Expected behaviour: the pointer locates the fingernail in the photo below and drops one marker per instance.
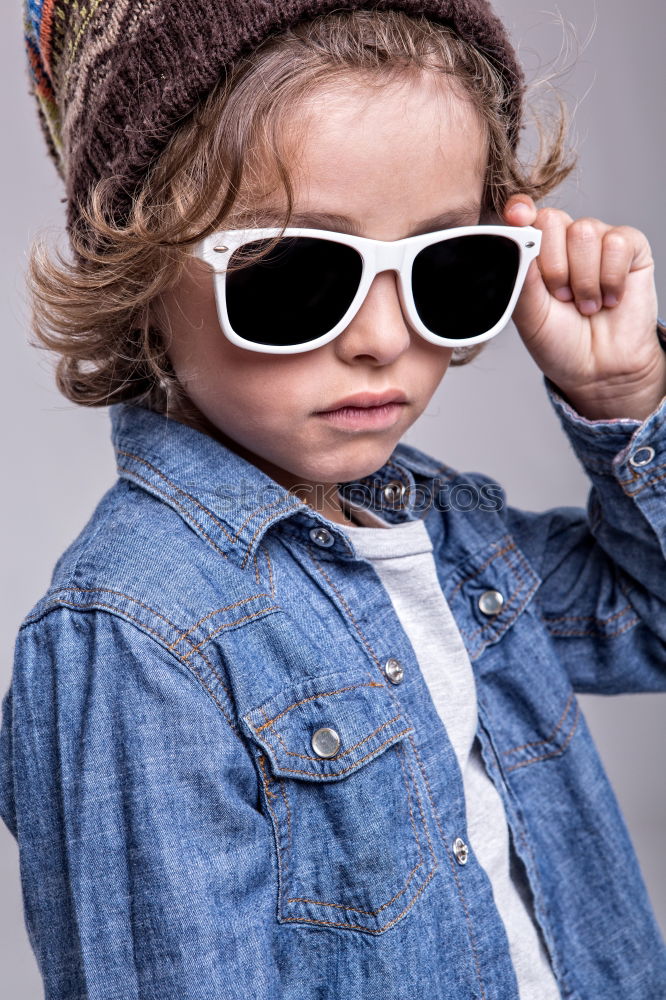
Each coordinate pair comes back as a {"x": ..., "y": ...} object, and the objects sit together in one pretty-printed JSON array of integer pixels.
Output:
[
  {"x": 564, "y": 294},
  {"x": 611, "y": 300},
  {"x": 588, "y": 306}
]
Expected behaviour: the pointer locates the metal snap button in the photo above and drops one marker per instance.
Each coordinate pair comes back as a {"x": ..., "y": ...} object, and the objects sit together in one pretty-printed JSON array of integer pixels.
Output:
[
  {"x": 491, "y": 602},
  {"x": 322, "y": 536},
  {"x": 393, "y": 670},
  {"x": 642, "y": 456},
  {"x": 461, "y": 851},
  {"x": 325, "y": 742},
  {"x": 393, "y": 491}
]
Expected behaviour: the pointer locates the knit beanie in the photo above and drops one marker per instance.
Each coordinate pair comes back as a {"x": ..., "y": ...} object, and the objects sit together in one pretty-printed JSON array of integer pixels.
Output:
[{"x": 114, "y": 78}]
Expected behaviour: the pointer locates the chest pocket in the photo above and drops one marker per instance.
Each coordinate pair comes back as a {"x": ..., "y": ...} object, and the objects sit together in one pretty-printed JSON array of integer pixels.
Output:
[
  {"x": 353, "y": 843},
  {"x": 523, "y": 689}
]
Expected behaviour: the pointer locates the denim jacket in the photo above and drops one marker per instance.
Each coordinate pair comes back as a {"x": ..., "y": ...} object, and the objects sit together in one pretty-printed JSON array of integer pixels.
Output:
[{"x": 184, "y": 830}]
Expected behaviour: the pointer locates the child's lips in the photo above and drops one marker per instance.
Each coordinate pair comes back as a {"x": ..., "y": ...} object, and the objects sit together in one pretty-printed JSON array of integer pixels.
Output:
[
  {"x": 367, "y": 417},
  {"x": 364, "y": 400}
]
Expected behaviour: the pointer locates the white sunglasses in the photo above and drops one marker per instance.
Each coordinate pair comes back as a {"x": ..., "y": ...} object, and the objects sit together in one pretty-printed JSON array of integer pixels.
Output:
[{"x": 456, "y": 286}]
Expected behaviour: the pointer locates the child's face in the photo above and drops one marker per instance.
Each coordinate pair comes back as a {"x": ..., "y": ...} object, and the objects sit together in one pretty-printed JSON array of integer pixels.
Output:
[{"x": 392, "y": 160}]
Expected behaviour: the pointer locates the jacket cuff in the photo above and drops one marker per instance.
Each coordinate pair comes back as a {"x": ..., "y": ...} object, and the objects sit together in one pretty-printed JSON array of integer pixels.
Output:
[{"x": 631, "y": 451}]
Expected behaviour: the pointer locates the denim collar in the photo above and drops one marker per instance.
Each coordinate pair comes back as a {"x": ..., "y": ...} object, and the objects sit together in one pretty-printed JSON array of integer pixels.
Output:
[{"x": 231, "y": 503}]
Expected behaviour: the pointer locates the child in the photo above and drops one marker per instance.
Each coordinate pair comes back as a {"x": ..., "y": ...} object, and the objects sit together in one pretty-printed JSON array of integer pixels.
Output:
[{"x": 297, "y": 716}]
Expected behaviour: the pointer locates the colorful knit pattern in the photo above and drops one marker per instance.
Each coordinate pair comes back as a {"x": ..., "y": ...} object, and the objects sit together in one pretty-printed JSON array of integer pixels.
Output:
[
  {"x": 113, "y": 78},
  {"x": 39, "y": 39}
]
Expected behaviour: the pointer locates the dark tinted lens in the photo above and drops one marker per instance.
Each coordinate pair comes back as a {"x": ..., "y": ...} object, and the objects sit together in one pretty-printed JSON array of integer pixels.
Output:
[
  {"x": 296, "y": 293},
  {"x": 463, "y": 286}
]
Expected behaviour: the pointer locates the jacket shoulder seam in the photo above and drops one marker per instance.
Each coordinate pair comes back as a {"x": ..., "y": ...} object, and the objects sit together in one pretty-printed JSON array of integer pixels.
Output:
[{"x": 151, "y": 633}]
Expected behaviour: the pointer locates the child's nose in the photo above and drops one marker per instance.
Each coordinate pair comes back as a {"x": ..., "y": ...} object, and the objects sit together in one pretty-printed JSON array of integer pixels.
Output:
[{"x": 379, "y": 330}]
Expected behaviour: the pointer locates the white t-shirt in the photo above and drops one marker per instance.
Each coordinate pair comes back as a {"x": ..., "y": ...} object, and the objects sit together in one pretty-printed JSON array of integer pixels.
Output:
[{"x": 402, "y": 557}]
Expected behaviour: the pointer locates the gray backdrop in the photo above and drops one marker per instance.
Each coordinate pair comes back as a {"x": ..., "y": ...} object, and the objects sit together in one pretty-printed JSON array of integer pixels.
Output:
[{"x": 58, "y": 457}]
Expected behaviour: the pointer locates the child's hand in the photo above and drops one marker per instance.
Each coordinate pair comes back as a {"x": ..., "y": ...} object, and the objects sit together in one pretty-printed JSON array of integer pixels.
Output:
[{"x": 605, "y": 356}]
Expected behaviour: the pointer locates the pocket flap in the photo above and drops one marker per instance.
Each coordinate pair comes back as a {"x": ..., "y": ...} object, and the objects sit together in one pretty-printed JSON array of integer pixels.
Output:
[{"x": 361, "y": 712}]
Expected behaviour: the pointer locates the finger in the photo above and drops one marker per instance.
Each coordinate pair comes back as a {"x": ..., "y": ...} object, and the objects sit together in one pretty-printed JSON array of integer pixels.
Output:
[
  {"x": 617, "y": 255},
  {"x": 520, "y": 210},
  {"x": 584, "y": 240},
  {"x": 553, "y": 257}
]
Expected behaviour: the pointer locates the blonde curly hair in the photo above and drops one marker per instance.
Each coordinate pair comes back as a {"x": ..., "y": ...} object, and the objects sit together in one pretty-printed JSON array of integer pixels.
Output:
[{"x": 95, "y": 307}]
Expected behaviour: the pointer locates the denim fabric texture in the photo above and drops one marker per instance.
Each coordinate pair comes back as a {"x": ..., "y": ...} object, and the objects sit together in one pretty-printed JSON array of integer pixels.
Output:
[{"x": 180, "y": 835}]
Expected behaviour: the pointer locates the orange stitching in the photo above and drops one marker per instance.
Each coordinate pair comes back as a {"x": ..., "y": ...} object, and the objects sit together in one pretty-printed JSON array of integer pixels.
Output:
[
  {"x": 275, "y": 821},
  {"x": 636, "y": 476},
  {"x": 186, "y": 513},
  {"x": 476, "y": 572},
  {"x": 452, "y": 865},
  {"x": 285, "y": 799},
  {"x": 549, "y": 739},
  {"x": 648, "y": 482},
  {"x": 394, "y": 465},
  {"x": 304, "y": 756},
  {"x": 297, "y": 899},
  {"x": 491, "y": 626},
  {"x": 401, "y": 754},
  {"x": 257, "y": 571},
  {"x": 353, "y": 620},
  {"x": 553, "y": 753},
  {"x": 373, "y": 913},
  {"x": 506, "y": 622},
  {"x": 112, "y": 607},
  {"x": 299, "y": 503},
  {"x": 572, "y": 633},
  {"x": 375, "y": 659},
  {"x": 283, "y": 793},
  {"x": 119, "y": 593},
  {"x": 625, "y": 587},
  {"x": 423, "y": 816},
  {"x": 182, "y": 635},
  {"x": 331, "y": 774},
  {"x": 424, "y": 822},
  {"x": 509, "y": 621},
  {"x": 280, "y": 785},
  {"x": 359, "y": 927},
  {"x": 271, "y": 582},
  {"x": 322, "y": 694},
  {"x": 192, "y": 520},
  {"x": 516, "y": 569},
  {"x": 368, "y": 647},
  {"x": 591, "y": 618},
  {"x": 269, "y": 794},
  {"x": 356, "y": 909},
  {"x": 494, "y": 632},
  {"x": 267, "y": 506},
  {"x": 217, "y": 611},
  {"x": 247, "y": 618},
  {"x": 178, "y": 489}
]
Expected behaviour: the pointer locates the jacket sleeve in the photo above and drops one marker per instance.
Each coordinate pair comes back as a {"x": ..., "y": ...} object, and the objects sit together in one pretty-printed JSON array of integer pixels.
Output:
[
  {"x": 603, "y": 595},
  {"x": 145, "y": 861}
]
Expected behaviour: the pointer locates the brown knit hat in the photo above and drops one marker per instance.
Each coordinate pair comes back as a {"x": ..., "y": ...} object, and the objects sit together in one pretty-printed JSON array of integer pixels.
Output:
[{"x": 114, "y": 79}]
